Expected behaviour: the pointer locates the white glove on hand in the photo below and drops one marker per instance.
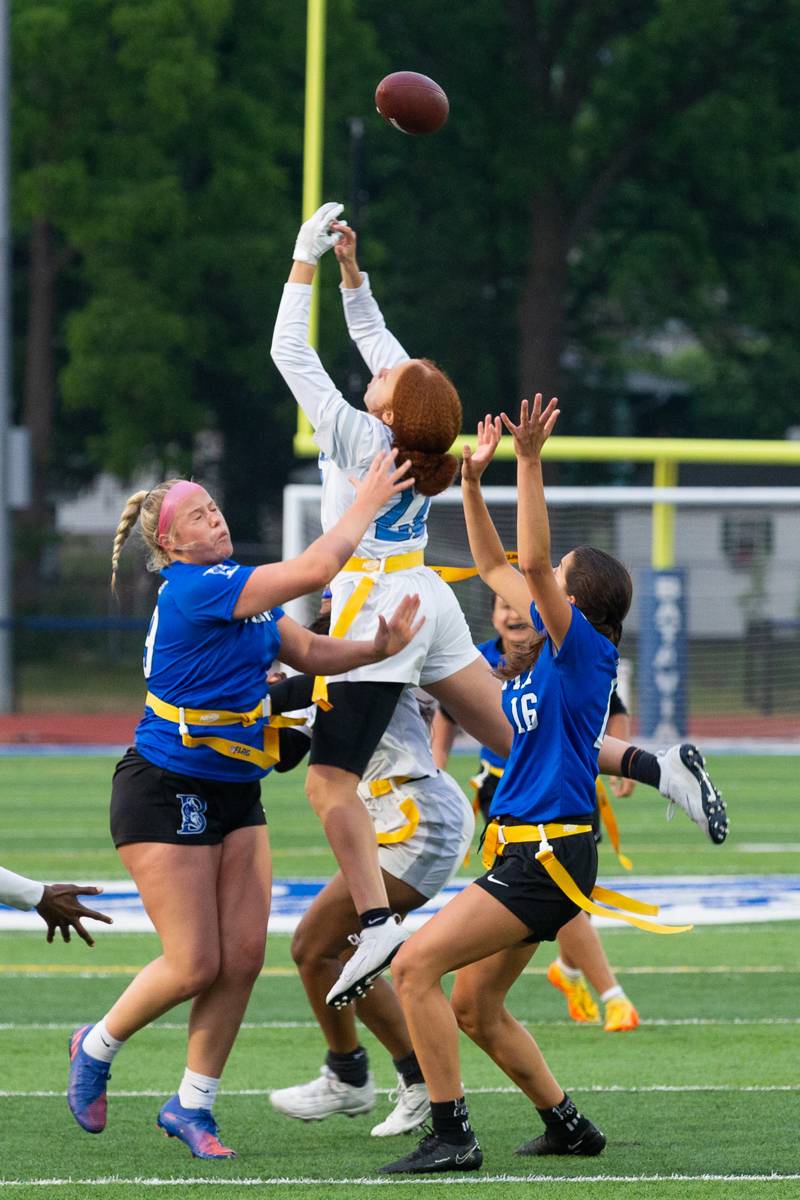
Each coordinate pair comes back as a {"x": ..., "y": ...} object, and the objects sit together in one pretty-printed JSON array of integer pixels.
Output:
[{"x": 315, "y": 236}]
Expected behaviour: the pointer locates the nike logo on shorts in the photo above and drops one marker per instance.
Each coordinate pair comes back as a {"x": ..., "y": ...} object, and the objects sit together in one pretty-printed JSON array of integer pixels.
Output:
[{"x": 491, "y": 879}]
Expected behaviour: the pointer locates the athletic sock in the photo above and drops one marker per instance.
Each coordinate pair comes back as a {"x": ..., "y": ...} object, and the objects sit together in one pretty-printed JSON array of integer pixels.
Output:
[
  {"x": 99, "y": 1043},
  {"x": 450, "y": 1119},
  {"x": 374, "y": 916},
  {"x": 612, "y": 994},
  {"x": 409, "y": 1068},
  {"x": 563, "y": 1119},
  {"x": 573, "y": 973},
  {"x": 349, "y": 1068},
  {"x": 640, "y": 765},
  {"x": 197, "y": 1091}
]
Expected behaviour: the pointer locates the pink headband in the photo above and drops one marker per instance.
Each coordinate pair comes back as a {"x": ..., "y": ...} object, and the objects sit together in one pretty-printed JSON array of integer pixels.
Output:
[{"x": 179, "y": 491}]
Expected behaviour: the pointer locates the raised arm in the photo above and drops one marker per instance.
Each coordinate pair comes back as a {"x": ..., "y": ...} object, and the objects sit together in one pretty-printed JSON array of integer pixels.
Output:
[
  {"x": 533, "y": 528},
  {"x": 484, "y": 543},
  {"x": 365, "y": 324},
  {"x": 277, "y": 583}
]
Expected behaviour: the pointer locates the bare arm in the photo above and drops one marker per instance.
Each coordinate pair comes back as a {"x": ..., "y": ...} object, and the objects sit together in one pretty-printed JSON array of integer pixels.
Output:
[
  {"x": 533, "y": 527},
  {"x": 619, "y": 727},
  {"x": 276, "y": 583},
  {"x": 316, "y": 654},
  {"x": 443, "y": 734},
  {"x": 484, "y": 543}
]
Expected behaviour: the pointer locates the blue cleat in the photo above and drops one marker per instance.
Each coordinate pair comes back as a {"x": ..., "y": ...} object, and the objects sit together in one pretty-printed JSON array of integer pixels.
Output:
[
  {"x": 195, "y": 1126},
  {"x": 86, "y": 1089}
]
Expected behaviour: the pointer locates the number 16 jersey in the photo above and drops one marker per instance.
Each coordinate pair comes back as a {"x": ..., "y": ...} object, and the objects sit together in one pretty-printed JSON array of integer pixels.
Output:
[{"x": 558, "y": 711}]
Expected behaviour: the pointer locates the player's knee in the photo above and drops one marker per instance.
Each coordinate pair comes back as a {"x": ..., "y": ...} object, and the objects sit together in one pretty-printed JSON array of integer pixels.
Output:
[
  {"x": 467, "y": 1013},
  {"x": 243, "y": 967},
  {"x": 410, "y": 974},
  {"x": 199, "y": 972}
]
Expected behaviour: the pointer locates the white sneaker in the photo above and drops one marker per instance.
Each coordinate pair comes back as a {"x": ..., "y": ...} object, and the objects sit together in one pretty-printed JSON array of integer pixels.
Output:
[
  {"x": 413, "y": 1107},
  {"x": 323, "y": 1097},
  {"x": 375, "y": 949},
  {"x": 685, "y": 781}
]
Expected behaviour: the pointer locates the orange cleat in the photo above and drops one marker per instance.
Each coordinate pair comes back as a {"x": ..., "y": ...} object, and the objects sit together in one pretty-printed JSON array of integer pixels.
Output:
[{"x": 580, "y": 1005}]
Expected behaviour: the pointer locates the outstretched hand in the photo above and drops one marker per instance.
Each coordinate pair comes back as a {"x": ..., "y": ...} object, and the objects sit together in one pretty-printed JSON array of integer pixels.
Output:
[
  {"x": 61, "y": 909},
  {"x": 317, "y": 234},
  {"x": 535, "y": 426},
  {"x": 383, "y": 480},
  {"x": 394, "y": 635},
  {"x": 345, "y": 247},
  {"x": 475, "y": 463}
]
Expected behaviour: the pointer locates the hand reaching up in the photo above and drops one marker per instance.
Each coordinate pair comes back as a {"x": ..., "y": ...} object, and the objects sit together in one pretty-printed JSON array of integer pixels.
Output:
[
  {"x": 535, "y": 426},
  {"x": 475, "y": 463}
]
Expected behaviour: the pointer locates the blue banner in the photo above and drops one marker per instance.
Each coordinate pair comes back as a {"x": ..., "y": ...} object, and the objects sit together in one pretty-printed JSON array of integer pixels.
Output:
[{"x": 662, "y": 660}]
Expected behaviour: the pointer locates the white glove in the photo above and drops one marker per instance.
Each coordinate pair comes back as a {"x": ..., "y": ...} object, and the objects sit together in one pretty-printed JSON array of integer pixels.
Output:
[{"x": 315, "y": 236}]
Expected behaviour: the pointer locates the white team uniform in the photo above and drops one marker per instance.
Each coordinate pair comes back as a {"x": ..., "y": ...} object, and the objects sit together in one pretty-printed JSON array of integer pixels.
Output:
[
  {"x": 430, "y": 857},
  {"x": 349, "y": 440}
]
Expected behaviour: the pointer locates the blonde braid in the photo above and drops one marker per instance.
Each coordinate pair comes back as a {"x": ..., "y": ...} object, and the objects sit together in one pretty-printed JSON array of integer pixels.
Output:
[{"x": 145, "y": 507}]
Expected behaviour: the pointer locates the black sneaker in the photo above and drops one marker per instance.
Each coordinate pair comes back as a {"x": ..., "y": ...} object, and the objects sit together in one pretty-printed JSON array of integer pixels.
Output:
[
  {"x": 433, "y": 1154},
  {"x": 589, "y": 1141}
]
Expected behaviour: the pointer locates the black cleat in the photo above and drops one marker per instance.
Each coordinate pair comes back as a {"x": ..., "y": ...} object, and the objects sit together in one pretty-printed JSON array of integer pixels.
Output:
[
  {"x": 434, "y": 1155},
  {"x": 589, "y": 1141}
]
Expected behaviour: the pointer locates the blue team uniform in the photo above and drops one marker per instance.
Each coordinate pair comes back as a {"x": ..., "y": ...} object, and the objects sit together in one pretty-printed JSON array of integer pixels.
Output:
[
  {"x": 198, "y": 656},
  {"x": 558, "y": 712}
]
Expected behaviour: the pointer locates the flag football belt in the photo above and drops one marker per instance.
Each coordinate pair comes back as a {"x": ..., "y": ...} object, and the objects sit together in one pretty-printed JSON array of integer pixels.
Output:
[
  {"x": 384, "y": 787},
  {"x": 264, "y": 758},
  {"x": 369, "y": 568},
  {"x": 498, "y": 836},
  {"x": 477, "y": 782},
  {"x": 609, "y": 819}
]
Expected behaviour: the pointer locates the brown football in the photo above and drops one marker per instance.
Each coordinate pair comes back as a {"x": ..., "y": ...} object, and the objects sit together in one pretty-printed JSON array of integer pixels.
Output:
[{"x": 411, "y": 102}]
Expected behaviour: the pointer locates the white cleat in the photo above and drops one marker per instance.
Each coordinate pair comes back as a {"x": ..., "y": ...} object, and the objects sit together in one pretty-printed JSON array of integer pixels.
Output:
[
  {"x": 375, "y": 949},
  {"x": 685, "y": 781},
  {"x": 412, "y": 1109},
  {"x": 323, "y": 1097}
]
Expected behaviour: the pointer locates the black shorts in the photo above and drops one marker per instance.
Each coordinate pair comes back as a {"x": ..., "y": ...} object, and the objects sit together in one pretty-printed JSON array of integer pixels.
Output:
[
  {"x": 151, "y": 804},
  {"x": 520, "y": 883},
  {"x": 346, "y": 736}
]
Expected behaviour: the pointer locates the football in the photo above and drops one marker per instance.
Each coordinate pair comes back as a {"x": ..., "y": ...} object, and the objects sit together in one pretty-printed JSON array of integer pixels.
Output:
[{"x": 411, "y": 102}]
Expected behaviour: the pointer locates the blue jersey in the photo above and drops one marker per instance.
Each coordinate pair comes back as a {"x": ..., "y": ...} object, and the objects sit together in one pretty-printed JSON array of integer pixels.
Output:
[
  {"x": 197, "y": 656},
  {"x": 558, "y": 711},
  {"x": 493, "y": 653}
]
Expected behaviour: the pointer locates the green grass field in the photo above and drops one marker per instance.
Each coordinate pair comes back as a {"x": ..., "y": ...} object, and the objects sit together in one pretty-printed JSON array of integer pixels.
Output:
[{"x": 708, "y": 1086}]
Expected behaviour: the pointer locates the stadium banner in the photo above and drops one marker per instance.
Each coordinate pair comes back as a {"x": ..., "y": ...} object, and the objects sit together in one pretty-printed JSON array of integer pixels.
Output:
[{"x": 662, "y": 666}]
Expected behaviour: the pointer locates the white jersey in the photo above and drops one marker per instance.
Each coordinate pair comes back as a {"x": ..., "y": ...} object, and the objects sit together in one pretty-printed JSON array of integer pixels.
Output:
[{"x": 348, "y": 438}]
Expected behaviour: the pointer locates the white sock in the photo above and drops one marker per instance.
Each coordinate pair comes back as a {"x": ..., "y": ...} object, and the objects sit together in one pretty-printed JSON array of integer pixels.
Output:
[
  {"x": 100, "y": 1044},
  {"x": 612, "y": 994},
  {"x": 573, "y": 973},
  {"x": 197, "y": 1091}
]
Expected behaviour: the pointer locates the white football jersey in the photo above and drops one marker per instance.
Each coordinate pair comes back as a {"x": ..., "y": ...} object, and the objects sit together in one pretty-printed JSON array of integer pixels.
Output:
[{"x": 348, "y": 438}]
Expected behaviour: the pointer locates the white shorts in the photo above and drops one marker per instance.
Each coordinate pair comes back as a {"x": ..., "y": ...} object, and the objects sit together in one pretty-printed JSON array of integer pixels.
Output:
[
  {"x": 444, "y": 644},
  {"x": 428, "y": 859}
]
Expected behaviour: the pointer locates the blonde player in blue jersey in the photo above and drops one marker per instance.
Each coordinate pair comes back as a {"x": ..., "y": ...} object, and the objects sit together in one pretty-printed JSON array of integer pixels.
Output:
[
  {"x": 186, "y": 814},
  {"x": 412, "y": 405},
  {"x": 556, "y": 696}
]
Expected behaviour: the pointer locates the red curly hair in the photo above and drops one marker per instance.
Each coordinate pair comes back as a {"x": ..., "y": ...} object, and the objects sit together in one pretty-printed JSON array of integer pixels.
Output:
[{"x": 426, "y": 421}]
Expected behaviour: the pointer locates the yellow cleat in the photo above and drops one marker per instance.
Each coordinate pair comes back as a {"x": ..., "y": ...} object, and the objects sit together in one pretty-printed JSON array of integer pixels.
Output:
[
  {"x": 580, "y": 1005},
  {"x": 620, "y": 1015}
]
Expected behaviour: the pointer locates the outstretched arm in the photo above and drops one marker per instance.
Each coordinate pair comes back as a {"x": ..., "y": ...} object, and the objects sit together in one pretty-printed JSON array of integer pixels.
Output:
[
  {"x": 484, "y": 542},
  {"x": 365, "y": 324},
  {"x": 533, "y": 528}
]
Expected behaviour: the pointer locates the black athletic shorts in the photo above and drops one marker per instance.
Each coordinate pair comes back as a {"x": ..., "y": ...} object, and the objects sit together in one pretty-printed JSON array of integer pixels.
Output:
[
  {"x": 151, "y": 804},
  {"x": 520, "y": 883},
  {"x": 346, "y": 736}
]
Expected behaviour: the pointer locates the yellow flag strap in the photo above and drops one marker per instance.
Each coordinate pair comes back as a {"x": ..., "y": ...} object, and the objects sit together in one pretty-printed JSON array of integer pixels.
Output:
[
  {"x": 456, "y": 574},
  {"x": 497, "y": 836},
  {"x": 411, "y": 813},
  {"x": 264, "y": 757},
  {"x": 609, "y": 819}
]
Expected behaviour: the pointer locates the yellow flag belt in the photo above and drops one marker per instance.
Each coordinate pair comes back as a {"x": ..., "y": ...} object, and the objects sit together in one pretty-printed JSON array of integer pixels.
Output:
[
  {"x": 498, "y": 836},
  {"x": 264, "y": 757}
]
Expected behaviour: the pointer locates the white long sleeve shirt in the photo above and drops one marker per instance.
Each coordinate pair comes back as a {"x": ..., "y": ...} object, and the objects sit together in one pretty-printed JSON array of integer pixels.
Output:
[
  {"x": 19, "y": 891},
  {"x": 348, "y": 438}
]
